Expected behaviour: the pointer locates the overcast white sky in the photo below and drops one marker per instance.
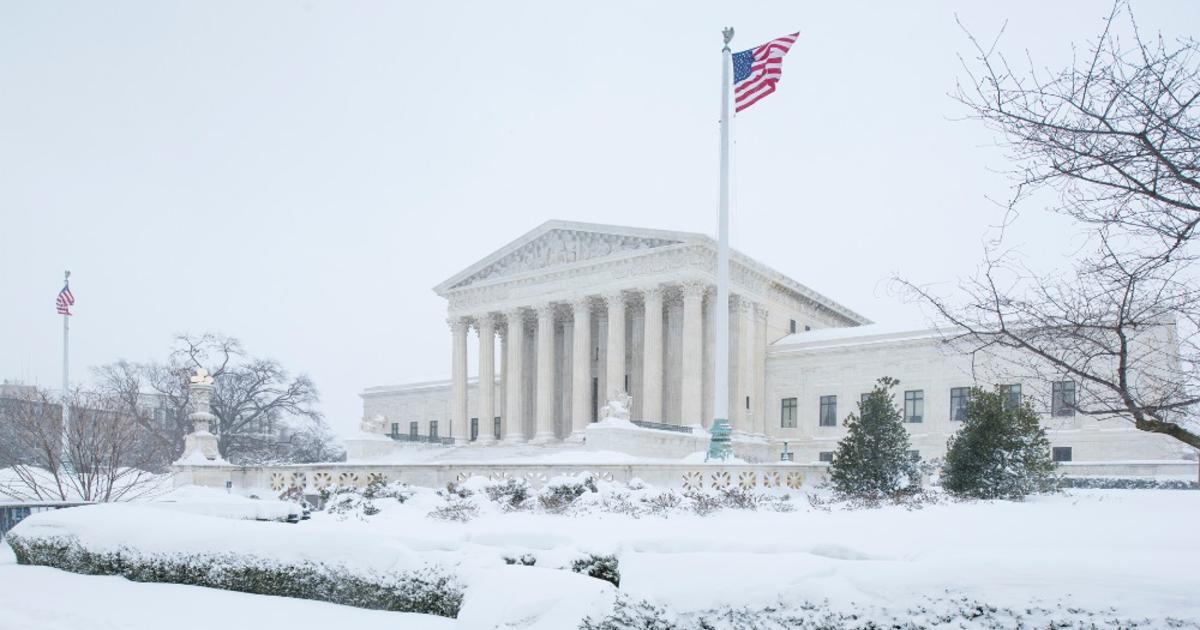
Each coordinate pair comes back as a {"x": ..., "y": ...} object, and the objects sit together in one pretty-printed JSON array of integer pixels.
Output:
[{"x": 299, "y": 174}]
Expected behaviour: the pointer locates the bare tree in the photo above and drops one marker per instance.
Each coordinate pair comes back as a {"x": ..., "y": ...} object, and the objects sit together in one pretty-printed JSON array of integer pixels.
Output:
[
  {"x": 253, "y": 396},
  {"x": 1116, "y": 134},
  {"x": 105, "y": 456}
]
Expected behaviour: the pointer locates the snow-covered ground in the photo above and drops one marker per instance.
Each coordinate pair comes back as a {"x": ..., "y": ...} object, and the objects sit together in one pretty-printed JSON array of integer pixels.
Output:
[{"x": 1121, "y": 553}]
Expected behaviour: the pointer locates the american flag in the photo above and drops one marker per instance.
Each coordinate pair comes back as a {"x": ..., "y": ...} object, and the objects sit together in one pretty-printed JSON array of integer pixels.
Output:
[
  {"x": 756, "y": 71},
  {"x": 65, "y": 300}
]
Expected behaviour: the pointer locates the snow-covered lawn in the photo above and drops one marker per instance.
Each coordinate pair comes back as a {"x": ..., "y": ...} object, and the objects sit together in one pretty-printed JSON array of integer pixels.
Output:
[{"x": 1131, "y": 554}]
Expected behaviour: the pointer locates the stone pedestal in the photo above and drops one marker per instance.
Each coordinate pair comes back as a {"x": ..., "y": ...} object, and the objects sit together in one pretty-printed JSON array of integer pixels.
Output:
[{"x": 200, "y": 446}]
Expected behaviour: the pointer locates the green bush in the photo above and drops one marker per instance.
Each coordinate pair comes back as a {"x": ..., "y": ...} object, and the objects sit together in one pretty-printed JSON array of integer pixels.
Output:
[
  {"x": 873, "y": 461},
  {"x": 428, "y": 590},
  {"x": 999, "y": 452},
  {"x": 601, "y": 567}
]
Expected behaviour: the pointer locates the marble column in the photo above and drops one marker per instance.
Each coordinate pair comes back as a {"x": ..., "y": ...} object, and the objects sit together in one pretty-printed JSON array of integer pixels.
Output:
[
  {"x": 502, "y": 402},
  {"x": 691, "y": 390},
  {"x": 458, "y": 371},
  {"x": 487, "y": 377},
  {"x": 745, "y": 381},
  {"x": 615, "y": 365},
  {"x": 513, "y": 399},
  {"x": 652, "y": 361},
  {"x": 760, "y": 367},
  {"x": 544, "y": 417},
  {"x": 581, "y": 367}
]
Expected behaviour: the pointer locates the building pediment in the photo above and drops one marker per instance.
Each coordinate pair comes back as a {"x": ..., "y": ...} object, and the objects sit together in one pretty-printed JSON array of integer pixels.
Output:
[{"x": 557, "y": 244}]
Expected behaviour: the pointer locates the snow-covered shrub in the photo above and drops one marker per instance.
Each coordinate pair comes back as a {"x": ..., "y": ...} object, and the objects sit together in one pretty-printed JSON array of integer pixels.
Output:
[
  {"x": 455, "y": 490},
  {"x": 458, "y": 510},
  {"x": 511, "y": 494},
  {"x": 873, "y": 460},
  {"x": 601, "y": 567},
  {"x": 704, "y": 503},
  {"x": 1127, "y": 483},
  {"x": 344, "y": 501},
  {"x": 999, "y": 452},
  {"x": 663, "y": 503},
  {"x": 428, "y": 590},
  {"x": 629, "y": 614},
  {"x": 561, "y": 492},
  {"x": 525, "y": 560}
]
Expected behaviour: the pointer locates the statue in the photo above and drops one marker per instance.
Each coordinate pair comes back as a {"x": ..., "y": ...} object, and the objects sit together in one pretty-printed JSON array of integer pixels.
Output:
[{"x": 619, "y": 403}]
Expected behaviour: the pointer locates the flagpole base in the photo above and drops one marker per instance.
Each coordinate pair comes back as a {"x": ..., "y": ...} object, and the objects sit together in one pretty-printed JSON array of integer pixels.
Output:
[{"x": 720, "y": 445}]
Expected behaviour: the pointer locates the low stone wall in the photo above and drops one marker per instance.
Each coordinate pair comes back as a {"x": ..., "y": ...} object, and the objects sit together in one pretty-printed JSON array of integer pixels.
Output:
[
  {"x": 651, "y": 443},
  {"x": 313, "y": 477},
  {"x": 690, "y": 476}
]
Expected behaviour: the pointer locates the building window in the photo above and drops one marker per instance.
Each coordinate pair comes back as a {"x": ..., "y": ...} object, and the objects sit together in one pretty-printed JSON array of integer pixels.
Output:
[
  {"x": 787, "y": 413},
  {"x": 496, "y": 427},
  {"x": 914, "y": 405},
  {"x": 395, "y": 428},
  {"x": 958, "y": 403},
  {"x": 807, "y": 328},
  {"x": 413, "y": 429},
  {"x": 474, "y": 429},
  {"x": 1062, "y": 398},
  {"x": 828, "y": 417},
  {"x": 433, "y": 429},
  {"x": 747, "y": 403},
  {"x": 1061, "y": 453},
  {"x": 1012, "y": 395},
  {"x": 792, "y": 326},
  {"x": 914, "y": 455},
  {"x": 826, "y": 456}
]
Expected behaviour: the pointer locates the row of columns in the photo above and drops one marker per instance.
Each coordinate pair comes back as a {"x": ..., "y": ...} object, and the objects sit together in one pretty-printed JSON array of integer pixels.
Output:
[{"x": 512, "y": 332}]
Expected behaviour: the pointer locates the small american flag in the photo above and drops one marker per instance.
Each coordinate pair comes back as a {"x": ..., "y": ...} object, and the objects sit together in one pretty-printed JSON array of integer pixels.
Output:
[
  {"x": 65, "y": 300},
  {"x": 756, "y": 71}
]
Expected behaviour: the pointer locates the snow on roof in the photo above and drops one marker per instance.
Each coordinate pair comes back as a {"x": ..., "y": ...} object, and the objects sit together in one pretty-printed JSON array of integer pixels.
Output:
[{"x": 858, "y": 335}]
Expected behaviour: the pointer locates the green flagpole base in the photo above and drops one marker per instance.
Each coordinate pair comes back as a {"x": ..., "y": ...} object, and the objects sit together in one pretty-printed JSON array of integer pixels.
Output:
[{"x": 719, "y": 443}]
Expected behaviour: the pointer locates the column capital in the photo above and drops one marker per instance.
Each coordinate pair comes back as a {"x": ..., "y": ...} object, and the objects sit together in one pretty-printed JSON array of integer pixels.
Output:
[
  {"x": 652, "y": 292},
  {"x": 485, "y": 321},
  {"x": 545, "y": 310},
  {"x": 693, "y": 288},
  {"x": 515, "y": 313},
  {"x": 613, "y": 298},
  {"x": 743, "y": 305},
  {"x": 761, "y": 311},
  {"x": 458, "y": 324},
  {"x": 582, "y": 304}
]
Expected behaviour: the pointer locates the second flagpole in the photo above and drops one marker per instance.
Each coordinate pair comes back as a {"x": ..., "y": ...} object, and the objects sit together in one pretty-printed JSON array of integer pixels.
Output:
[{"x": 719, "y": 446}]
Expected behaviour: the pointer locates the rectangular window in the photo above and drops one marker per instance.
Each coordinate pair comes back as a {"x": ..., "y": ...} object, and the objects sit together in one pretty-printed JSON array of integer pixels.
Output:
[
  {"x": 807, "y": 328},
  {"x": 787, "y": 413},
  {"x": 792, "y": 326},
  {"x": 433, "y": 428},
  {"x": 828, "y": 417},
  {"x": 395, "y": 428},
  {"x": 1012, "y": 395},
  {"x": 914, "y": 405},
  {"x": 958, "y": 403},
  {"x": 474, "y": 429},
  {"x": 595, "y": 397},
  {"x": 862, "y": 398},
  {"x": 413, "y": 429},
  {"x": 914, "y": 455},
  {"x": 1062, "y": 398},
  {"x": 826, "y": 456},
  {"x": 747, "y": 403},
  {"x": 1061, "y": 453},
  {"x": 496, "y": 427}
]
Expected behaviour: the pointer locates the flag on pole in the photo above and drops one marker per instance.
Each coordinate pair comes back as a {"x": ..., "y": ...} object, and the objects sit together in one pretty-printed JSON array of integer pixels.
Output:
[
  {"x": 756, "y": 71},
  {"x": 65, "y": 300}
]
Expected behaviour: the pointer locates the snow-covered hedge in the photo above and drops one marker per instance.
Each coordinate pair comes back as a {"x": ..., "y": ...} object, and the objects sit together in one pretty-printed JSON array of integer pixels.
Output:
[
  {"x": 1127, "y": 483},
  {"x": 427, "y": 590},
  {"x": 946, "y": 612},
  {"x": 149, "y": 544}
]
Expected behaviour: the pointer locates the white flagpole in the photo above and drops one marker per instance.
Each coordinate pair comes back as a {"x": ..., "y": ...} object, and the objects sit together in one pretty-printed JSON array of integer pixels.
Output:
[
  {"x": 719, "y": 446},
  {"x": 66, "y": 380}
]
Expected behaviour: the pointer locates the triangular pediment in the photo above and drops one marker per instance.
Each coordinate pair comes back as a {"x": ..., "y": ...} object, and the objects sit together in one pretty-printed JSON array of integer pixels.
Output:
[{"x": 556, "y": 244}]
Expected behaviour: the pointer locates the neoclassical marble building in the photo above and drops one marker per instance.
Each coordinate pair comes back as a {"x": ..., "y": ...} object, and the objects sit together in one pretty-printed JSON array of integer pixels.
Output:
[{"x": 572, "y": 313}]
